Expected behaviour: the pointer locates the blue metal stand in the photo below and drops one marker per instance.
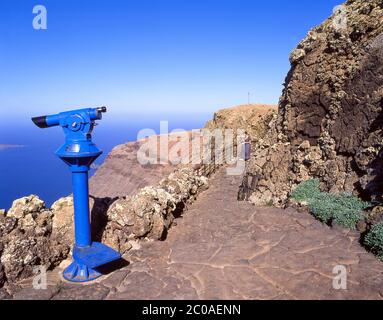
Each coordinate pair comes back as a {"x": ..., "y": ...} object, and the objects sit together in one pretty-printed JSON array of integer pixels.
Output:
[
  {"x": 81, "y": 208},
  {"x": 79, "y": 153}
]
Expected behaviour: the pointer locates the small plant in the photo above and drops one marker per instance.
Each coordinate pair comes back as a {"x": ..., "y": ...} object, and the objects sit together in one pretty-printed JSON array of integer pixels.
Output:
[
  {"x": 323, "y": 206},
  {"x": 306, "y": 190},
  {"x": 349, "y": 210},
  {"x": 374, "y": 240},
  {"x": 343, "y": 209}
]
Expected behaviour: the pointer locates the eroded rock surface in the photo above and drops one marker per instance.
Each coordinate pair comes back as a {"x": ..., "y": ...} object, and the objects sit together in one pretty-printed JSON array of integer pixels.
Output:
[
  {"x": 63, "y": 214},
  {"x": 329, "y": 123},
  {"x": 25, "y": 206},
  {"x": 26, "y": 240}
]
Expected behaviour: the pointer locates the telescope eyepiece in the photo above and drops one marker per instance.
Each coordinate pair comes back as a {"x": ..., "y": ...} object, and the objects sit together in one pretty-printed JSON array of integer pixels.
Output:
[
  {"x": 41, "y": 122},
  {"x": 102, "y": 109}
]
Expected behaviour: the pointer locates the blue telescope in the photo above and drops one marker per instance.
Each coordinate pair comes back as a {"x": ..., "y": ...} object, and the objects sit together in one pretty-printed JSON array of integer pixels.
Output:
[{"x": 79, "y": 152}]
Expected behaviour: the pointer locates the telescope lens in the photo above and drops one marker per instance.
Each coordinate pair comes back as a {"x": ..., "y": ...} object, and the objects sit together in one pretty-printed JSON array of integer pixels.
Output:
[
  {"x": 41, "y": 122},
  {"x": 102, "y": 109}
]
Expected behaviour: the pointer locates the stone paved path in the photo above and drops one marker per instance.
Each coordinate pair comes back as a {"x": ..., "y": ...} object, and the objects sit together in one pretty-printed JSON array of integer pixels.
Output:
[{"x": 224, "y": 249}]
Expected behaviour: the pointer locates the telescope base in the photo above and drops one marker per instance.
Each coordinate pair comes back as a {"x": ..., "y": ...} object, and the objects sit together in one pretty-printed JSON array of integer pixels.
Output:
[
  {"x": 87, "y": 259},
  {"x": 80, "y": 273},
  {"x": 96, "y": 255}
]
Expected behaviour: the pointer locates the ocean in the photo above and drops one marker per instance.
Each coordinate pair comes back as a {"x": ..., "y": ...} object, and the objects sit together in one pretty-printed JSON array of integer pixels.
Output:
[{"x": 33, "y": 168}]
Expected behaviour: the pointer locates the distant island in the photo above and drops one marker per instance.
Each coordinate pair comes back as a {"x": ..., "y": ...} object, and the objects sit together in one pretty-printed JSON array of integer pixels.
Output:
[{"x": 9, "y": 146}]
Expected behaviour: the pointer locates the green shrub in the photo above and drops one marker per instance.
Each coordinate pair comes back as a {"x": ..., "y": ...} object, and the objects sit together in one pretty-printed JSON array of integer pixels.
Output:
[
  {"x": 349, "y": 210},
  {"x": 343, "y": 209},
  {"x": 306, "y": 190},
  {"x": 374, "y": 240},
  {"x": 323, "y": 206}
]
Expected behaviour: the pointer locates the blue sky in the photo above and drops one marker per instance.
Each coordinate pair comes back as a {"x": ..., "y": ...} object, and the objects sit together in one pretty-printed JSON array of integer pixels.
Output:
[{"x": 149, "y": 56}]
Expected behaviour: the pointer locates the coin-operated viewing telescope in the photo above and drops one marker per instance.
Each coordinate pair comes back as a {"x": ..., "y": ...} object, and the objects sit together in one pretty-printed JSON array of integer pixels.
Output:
[{"x": 79, "y": 152}]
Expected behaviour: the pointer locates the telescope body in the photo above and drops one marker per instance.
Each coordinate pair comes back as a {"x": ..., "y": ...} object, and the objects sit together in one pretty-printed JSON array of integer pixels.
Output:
[
  {"x": 61, "y": 119},
  {"x": 79, "y": 152}
]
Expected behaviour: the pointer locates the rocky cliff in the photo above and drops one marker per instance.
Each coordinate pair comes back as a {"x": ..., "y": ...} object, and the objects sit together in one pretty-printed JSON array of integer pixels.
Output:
[
  {"x": 253, "y": 119},
  {"x": 329, "y": 124},
  {"x": 121, "y": 174}
]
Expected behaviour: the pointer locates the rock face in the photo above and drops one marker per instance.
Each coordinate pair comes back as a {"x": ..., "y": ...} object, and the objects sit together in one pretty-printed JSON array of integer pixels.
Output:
[
  {"x": 26, "y": 240},
  {"x": 121, "y": 174},
  {"x": 329, "y": 124},
  {"x": 63, "y": 214}
]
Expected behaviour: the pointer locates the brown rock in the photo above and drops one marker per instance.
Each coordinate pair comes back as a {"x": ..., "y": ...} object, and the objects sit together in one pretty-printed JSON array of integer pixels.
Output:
[
  {"x": 26, "y": 240},
  {"x": 21, "y": 253},
  {"x": 21, "y": 207},
  {"x": 332, "y": 102},
  {"x": 63, "y": 215},
  {"x": 258, "y": 184},
  {"x": 7, "y": 225},
  {"x": 375, "y": 216},
  {"x": 75, "y": 292},
  {"x": 2, "y": 276},
  {"x": 253, "y": 119}
]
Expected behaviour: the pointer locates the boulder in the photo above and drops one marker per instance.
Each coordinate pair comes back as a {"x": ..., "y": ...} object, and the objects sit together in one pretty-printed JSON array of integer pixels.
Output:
[
  {"x": 22, "y": 253},
  {"x": 63, "y": 215},
  {"x": 21, "y": 207},
  {"x": 62, "y": 220},
  {"x": 26, "y": 240}
]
